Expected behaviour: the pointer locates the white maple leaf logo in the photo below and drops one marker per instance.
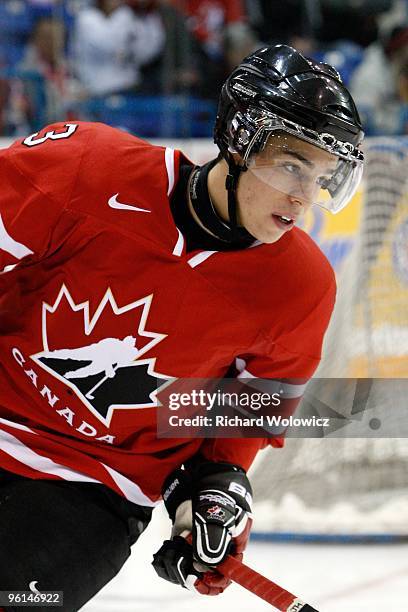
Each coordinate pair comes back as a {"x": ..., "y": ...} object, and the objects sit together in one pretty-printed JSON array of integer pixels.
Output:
[{"x": 100, "y": 356}]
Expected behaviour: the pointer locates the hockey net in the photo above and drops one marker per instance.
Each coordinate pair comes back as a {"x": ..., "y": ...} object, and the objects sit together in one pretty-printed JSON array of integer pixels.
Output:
[{"x": 350, "y": 487}]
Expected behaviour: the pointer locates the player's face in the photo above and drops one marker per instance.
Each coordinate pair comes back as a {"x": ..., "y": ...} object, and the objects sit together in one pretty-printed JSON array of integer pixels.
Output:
[{"x": 281, "y": 183}]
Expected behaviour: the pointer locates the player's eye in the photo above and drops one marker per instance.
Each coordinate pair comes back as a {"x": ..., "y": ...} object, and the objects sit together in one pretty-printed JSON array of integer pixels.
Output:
[{"x": 293, "y": 169}]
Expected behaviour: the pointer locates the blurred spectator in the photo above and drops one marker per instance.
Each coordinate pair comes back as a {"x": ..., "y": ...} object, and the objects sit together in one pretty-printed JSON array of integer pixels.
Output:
[
  {"x": 155, "y": 107},
  {"x": 210, "y": 20},
  {"x": 110, "y": 44},
  {"x": 344, "y": 55},
  {"x": 45, "y": 50},
  {"x": 373, "y": 81},
  {"x": 4, "y": 92},
  {"x": 293, "y": 22},
  {"x": 354, "y": 20},
  {"x": 221, "y": 29},
  {"x": 59, "y": 9},
  {"x": 15, "y": 26},
  {"x": 40, "y": 88},
  {"x": 403, "y": 83},
  {"x": 177, "y": 69},
  {"x": 379, "y": 84},
  {"x": 396, "y": 15}
]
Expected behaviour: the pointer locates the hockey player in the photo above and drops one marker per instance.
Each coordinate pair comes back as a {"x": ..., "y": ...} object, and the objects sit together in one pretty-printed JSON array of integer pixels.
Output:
[{"x": 175, "y": 271}]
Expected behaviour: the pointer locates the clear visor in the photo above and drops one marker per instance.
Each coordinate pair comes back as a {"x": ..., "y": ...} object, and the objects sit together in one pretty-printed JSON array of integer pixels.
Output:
[{"x": 306, "y": 172}]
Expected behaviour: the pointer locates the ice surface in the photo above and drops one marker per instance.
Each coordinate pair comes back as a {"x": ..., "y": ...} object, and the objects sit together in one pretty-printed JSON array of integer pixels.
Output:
[{"x": 333, "y": 578}]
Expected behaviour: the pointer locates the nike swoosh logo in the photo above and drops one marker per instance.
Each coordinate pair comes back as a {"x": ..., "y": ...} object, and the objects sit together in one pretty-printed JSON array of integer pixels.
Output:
[{"x": 113, "y": 203}]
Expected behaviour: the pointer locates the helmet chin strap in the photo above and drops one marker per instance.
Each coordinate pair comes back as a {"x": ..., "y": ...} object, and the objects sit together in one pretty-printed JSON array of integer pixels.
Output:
[
  {"x": 231, "y": 185},
  {"x": 204, "y": 208}
]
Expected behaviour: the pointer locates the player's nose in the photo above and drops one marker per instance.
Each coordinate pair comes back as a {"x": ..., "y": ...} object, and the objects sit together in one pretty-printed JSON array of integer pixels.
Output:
[
  {"x": 301, "y": 200},
  {"x": 296, "y": 205}
]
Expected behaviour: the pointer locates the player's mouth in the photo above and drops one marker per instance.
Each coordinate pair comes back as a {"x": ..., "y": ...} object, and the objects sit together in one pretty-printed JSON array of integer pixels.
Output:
[{"x": 283, "y": 222}]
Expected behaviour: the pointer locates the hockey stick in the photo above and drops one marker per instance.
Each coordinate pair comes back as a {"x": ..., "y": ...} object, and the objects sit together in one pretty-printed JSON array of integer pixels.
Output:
[
  {"x": 90, "y": 394},
  {"x": 262, "y": 587}
]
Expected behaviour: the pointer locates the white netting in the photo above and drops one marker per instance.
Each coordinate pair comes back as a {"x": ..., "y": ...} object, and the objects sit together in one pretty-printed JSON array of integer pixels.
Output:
[
  {"x": 368, "y": 335},
  {"x": 355, "y": 485},
  {"x": 333, "y": 486}
]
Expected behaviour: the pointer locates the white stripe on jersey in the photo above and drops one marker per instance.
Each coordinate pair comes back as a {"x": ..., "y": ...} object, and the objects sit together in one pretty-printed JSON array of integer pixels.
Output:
[
  {"x": 199, "y": 258},
  {"x": 8, "y": 268},
  {"x": 7, "y": 243},
  {"x": 17, "y": 426},
  {"x": 16, "y": 449},
  {"x": 12, "y": 446},
  {"x": 284, "y": 389},
  {"x": 131, "y": 490},
  {"x": 169, "y": 158},
  {"x": 178, "y": 249}
]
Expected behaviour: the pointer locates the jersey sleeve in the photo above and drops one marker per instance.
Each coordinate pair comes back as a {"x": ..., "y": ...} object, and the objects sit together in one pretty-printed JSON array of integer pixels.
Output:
[
  {"x": 278, "y": 370},
  {"x": 37, "y": 177},
  {"x": 238, "y": 451}
]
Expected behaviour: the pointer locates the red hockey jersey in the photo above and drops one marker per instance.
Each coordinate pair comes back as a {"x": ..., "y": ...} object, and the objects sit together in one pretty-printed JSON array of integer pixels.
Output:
[{"x": 97, "y": 293}]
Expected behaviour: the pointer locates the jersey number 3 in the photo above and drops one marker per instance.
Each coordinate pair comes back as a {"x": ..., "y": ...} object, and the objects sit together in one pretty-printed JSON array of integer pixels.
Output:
[{"x": 32, "y": 141}]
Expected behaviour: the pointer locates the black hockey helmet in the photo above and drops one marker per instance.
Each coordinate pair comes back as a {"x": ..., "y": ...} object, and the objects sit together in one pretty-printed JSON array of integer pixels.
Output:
[
  {"x": 280, "y": 82},
  {"x": 277, "y": 89}
]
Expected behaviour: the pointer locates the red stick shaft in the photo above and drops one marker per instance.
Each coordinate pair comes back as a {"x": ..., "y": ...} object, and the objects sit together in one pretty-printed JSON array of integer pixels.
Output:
[{"x": 262, "y": 587}]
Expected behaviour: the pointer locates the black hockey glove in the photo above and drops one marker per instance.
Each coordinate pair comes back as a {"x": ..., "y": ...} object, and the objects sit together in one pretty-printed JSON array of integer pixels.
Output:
[{"x": 211, "y": 506}]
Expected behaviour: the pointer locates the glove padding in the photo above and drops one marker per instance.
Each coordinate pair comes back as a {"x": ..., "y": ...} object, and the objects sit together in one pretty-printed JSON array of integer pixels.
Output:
[
  {"x": 221, "y": 513},
  {"x": 212, "y": 507},
  {"x": 174, "y": 562}
]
